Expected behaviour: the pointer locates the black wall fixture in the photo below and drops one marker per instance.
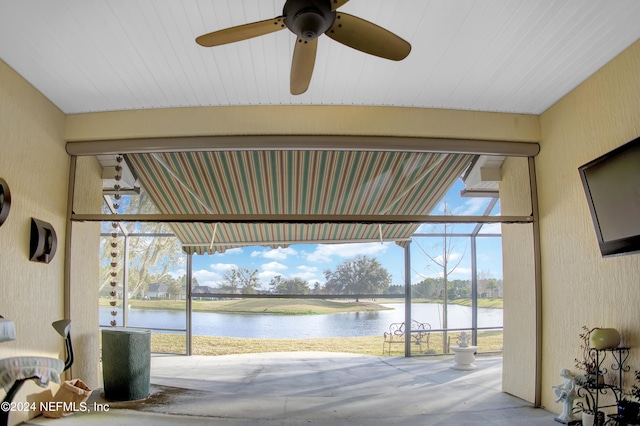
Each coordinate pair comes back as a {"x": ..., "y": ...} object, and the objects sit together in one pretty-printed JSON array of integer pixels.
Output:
[
  {"x": 43, "y": 241},
  {"x": 5, "y": 201}
]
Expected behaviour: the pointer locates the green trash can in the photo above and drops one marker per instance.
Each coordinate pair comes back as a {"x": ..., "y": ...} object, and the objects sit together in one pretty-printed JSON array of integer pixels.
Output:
[{"x": 126, "y": 363}]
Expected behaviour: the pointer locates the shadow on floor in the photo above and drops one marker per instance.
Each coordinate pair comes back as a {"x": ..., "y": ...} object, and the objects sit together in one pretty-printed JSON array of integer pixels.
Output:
[{"x": 315, "y": 388}]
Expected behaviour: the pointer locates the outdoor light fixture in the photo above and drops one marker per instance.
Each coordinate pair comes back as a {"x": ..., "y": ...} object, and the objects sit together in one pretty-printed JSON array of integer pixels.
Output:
[
  {"x": 7, "y": 330},
  {"x": 43, "y": 242}
]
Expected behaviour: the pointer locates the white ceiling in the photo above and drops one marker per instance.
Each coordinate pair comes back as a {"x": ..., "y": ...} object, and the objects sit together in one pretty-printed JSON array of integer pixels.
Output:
[{"x": 501, "y": 55}]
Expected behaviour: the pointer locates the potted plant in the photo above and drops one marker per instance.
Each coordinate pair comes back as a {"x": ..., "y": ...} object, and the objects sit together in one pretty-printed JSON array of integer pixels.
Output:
[
  {"x": 628, "y": 409},
  {"x": 629, "y": 404},
  {"x": 588, "y": 413},
  {"x": 593, "y": 377}
]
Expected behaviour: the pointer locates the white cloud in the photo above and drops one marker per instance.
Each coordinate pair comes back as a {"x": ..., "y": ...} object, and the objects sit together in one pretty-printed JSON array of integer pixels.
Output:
[
  {"x": 313, "y": 282},
  {"x": 277, "y": 253},
  {"x": 204, "y": 274},
  {"x": 453, "y": 257},
  {"x": 417, "y": 277},
  {"x": 223, "y": 267},
  {"x": 307, "y": 276},
  {"x": 265, "y": 276},
  {"x": 471, "y": 207},
  {"x": 205, "y": 277},
  {"x": 177, "y": 274},
  {"x": 324, "y": 252},
  {"x": 273, "y": 266},
  {"x": 460, "y": 274},
  {"x": 457, "y": 274},
  {"x": 307, "y": 273},
  {"x": 491, "y": 228}
]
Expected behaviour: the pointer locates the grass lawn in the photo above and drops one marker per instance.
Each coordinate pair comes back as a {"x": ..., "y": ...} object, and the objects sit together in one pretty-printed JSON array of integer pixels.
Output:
[
  {"x": 488, "y": 341},
  {"x": 288, "y": 306},
  {"x": 258, "y": 306},
  {"x": 482, "y": 303}
]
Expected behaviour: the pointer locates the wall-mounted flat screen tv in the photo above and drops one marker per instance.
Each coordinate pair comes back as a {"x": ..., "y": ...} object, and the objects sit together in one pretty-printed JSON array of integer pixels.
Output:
[{"x": 612, "y": 186}]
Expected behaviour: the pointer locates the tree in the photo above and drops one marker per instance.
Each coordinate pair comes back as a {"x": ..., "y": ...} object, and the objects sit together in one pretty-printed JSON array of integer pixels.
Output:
[
  {"x": 490, "y": 287},
  {"x": 460, "y": 289},
  {"x": 395, "y": 289},
  {"x": 175, "y": 289},
  {"x": 150, "y": 259},
  {"x": 194, "y": 281},
  {"x": 295, "y": 285},
  {"x": 360, "y": 275},
  {"x": 444, "y": 258},
  {"x": 240, "y": 281},
  {"x": 429, "y": 288}
]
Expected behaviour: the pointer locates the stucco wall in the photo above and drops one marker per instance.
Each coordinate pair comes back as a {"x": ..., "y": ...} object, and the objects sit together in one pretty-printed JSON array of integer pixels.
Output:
[
  {"x": 84, "y": 272},
  {"x": 35, "y": 164},
  {"x": 579, "y": 287},
  {"x": 519, "y": 283}
]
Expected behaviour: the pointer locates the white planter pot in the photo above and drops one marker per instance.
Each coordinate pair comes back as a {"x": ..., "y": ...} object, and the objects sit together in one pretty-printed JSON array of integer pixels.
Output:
[
  {"x": 588, "y": 419},
  {"x": 464, "y": 357}
]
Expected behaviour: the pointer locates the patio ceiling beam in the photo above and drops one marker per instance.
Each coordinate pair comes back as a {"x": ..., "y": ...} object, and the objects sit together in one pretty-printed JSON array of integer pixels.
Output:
[
  {"x": 301, "y": 143},
  {"x": 297, "y": 218}
]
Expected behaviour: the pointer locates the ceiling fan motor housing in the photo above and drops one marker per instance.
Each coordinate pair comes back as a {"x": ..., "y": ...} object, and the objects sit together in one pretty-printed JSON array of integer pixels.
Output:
[{"x": 308, "y": 19}]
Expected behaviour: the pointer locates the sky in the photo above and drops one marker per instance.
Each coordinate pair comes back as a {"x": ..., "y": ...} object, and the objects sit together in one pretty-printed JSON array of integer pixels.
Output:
[{"x": 310, "y": 261}]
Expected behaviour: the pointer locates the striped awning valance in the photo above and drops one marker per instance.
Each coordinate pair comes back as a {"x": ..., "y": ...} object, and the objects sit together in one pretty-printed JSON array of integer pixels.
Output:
[{"x": 294, "y": 182}]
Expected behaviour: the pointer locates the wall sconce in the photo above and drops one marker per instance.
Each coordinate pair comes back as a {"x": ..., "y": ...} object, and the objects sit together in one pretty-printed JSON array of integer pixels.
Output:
[
  {"x": 63, "y": 327},
  {"x": 7, "y": 330},
  {"x": 43, "y": 241},
  {"x": 5, "y": 201}
]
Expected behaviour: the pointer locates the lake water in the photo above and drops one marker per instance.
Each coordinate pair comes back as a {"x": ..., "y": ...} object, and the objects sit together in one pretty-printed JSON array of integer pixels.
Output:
[{"x": 345, "y": 324}]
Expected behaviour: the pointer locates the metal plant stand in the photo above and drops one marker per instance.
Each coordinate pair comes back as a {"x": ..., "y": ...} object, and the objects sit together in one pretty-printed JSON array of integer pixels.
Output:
[{"x": 594, "y": 388}]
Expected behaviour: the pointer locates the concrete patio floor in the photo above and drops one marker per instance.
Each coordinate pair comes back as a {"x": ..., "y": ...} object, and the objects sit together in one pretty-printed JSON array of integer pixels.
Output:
[{"x": 315, "y": 388}]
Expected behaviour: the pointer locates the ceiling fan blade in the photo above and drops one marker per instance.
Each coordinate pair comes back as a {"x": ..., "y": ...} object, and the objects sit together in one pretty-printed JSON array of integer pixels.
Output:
[
  {"x": 304, "y": 58},
  {"x": 368, "y": 37},
  {"x": 241, "y": 32},
  {"x": 337, "y": 3}
]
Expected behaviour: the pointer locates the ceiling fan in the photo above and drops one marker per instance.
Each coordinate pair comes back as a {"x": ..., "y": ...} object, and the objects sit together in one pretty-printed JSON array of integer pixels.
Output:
[{"x": 308, "y": 20}]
